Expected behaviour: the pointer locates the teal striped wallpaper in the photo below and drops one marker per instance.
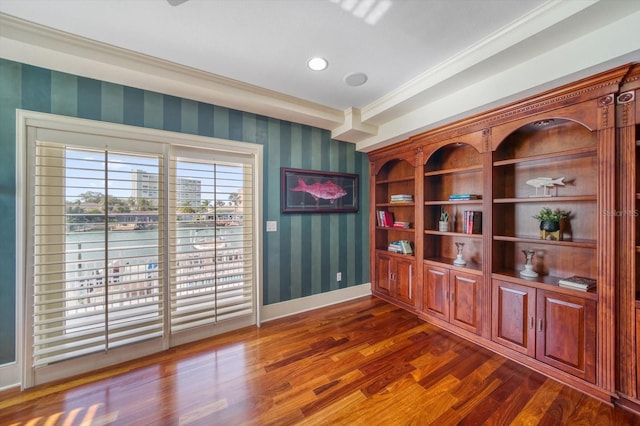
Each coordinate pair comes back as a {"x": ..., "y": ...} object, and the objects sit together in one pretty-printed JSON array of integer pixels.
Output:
[{"x": 301, "y": 259}]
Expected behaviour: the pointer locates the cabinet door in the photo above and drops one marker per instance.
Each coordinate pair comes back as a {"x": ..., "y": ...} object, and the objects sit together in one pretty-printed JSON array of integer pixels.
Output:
[
  {"x": 383, "y": 274},
  {"x": 566, "y": 333},
  {"x": 402, "y": 273},
  {"x": 436, "y": 291},
  {"x": 464, "y": 291},
  {"x": 513, "y": 324}
]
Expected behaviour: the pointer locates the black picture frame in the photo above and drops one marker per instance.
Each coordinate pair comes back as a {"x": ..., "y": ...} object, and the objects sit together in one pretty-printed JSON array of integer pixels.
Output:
[{"x": 311, "y": 191}]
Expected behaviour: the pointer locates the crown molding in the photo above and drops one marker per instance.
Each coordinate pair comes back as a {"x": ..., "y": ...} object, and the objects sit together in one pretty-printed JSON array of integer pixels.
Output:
[{"x": 37, "y": 45}]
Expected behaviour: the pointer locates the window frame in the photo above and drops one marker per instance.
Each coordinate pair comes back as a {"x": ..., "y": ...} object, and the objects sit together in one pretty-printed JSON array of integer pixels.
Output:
[{"x": 26, "y": 121}]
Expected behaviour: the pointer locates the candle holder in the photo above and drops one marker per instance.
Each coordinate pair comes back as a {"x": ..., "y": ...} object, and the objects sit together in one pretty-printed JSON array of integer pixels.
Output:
[
  {"x": 459, "y": 260},
  {"x": 528, "y": 271}
]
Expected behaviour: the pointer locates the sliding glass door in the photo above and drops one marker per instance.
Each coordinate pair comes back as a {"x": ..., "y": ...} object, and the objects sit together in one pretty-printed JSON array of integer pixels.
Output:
[{"x": 132, "y": 246}]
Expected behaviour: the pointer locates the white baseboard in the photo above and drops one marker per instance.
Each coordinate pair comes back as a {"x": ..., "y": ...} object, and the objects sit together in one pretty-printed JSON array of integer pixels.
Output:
[
  {"x": 9, "y": 376},
  {"x": 295, "y": 306}
]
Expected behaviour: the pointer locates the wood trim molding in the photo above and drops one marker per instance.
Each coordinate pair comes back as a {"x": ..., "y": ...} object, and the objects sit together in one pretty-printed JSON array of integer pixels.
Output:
[{"x": 599, "y": 86}]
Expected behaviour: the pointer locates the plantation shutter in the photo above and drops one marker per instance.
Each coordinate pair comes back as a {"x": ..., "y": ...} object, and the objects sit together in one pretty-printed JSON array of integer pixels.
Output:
[
  {"x": 94, "y": 288},
  {"x": 211, "y": 238},
  {"x": 135, "y": 240}
]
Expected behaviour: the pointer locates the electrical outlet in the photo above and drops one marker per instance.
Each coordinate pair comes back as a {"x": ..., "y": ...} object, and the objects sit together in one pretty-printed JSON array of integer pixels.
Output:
[{"x": 339, "y": 276}]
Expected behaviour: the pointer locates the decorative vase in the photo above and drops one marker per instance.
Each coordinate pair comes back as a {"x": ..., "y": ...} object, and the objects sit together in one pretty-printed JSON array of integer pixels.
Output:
[
  {"x": 550, "y": 225},
  {"x": 528, "y": 271},
  {"x": 459, "y": 260},
  {"x": 551, "y": 230},
  {"x": 443, "y": 226}
]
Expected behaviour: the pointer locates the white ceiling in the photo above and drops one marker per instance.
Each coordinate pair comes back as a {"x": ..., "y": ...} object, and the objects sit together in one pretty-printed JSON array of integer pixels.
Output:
[{"x": 418, "y": 51}]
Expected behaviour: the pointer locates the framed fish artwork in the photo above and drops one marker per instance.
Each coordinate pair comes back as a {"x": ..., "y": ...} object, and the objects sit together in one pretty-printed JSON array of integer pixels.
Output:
[{"x": 310, "y": 191}]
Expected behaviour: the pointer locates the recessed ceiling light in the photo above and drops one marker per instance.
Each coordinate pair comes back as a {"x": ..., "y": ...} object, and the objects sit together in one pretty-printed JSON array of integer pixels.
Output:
[
  {"x": 356, "y": 79},
  {"x": 543, "y": 123},
  {"x": 317, "y": 64}
]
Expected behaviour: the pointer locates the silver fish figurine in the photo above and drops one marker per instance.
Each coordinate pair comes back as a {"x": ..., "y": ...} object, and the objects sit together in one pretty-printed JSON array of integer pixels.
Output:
[{"x": 546, "y": 182}]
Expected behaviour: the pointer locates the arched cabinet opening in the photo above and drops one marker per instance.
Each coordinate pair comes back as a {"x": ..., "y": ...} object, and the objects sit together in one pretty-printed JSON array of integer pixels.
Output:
[
  {"x": 453, "y": 205},
  {"x": 546, "y": 166},
  {"x": 394, "y": 231},
  {"x": 546, "y": 170},
  {"x": 452, "y": 266}
]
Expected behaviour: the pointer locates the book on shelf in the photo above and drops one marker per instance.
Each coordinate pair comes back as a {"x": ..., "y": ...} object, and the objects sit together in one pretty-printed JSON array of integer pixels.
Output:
[
  {"x": 401, "y": 198},
  {"x": 385, "y": 218},
  {"x": 401, "y": 224},
  {"x": 463, "y": 197},
  {"x": 472, "y": 222},
  {"x": 578, "y": 283},
  {"x": 402, "y": 247}
]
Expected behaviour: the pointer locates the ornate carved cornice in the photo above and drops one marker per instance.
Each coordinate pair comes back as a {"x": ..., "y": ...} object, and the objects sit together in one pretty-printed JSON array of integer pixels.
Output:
[
  {"x": 601, "y": 85},
  {"x": 625, "y": 103}
]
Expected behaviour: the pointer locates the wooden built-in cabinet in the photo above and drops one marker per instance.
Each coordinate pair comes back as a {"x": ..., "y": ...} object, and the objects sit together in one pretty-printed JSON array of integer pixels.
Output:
[
  {"x": 394, "y": 273},
  {"x": 585, "y": 132},
  {"x": 453, "y": 169},
  {"x": 452, "y": 295},
  {"x": 555, "y": 328},
  {"x": 395, "y": 276},
  {"x": 554, "y": 324}
]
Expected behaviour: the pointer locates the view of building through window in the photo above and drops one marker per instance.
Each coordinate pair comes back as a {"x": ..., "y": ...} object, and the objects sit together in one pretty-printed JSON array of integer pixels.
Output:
[{"x": 104, "y": 274}]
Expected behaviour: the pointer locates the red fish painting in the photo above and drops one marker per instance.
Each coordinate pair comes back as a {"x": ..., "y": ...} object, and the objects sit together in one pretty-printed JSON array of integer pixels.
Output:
[{"x": 327, "y": 190}]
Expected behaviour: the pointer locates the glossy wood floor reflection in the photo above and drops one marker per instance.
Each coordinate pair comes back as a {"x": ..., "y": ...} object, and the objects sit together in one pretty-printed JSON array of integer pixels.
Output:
[{"x": 361, "y": 362}]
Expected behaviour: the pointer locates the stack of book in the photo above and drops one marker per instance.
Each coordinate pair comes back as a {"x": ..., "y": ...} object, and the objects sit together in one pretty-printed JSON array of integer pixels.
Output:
[
  {"x": 401, "y": 198},
  {"x": 472, "y": 222},
  {"x": 462, "y": 197},
  {"x": 400, "y": 224},
  {"x": 385, "y": 218},
  {"x": 402, "y": 247},
  {"x": 577, "y": 283}
]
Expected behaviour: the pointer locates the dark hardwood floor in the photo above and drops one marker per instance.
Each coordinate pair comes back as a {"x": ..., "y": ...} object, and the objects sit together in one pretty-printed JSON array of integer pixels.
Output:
[{"x": 359, "y": 362}]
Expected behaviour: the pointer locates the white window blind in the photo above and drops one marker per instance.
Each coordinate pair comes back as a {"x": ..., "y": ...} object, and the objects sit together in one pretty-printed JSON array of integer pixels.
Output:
[
  {"x": 135, "y": 240},
  {"x": 97, "y": 256},
  {"x": 211, "y": 241}
]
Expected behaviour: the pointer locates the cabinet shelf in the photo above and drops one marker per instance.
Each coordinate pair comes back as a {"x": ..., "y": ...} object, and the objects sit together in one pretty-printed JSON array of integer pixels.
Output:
[
  {"x": 590, "y": 244},
  {"x": 452, "y": 234},
  {"x": 391, "y": 228},
  {"x": 470, "y": 267},
  {"x": 546, "y": 282},
  {"x": 457, "y": 170},
  {"x": 393, "y": 254},
  {"x": 395, "y": 204},
  {"x": 394, "y": 180},
  {"x": 545, "y": 199},
  {"x": 555, "y": 156},
  {"x": 451, "y": 202}
]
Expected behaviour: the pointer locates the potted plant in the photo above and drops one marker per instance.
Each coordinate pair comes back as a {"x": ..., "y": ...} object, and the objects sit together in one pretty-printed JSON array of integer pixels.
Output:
[
  {"x": 443, "y": 223},
  {"x": 551, "y": 222}
]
